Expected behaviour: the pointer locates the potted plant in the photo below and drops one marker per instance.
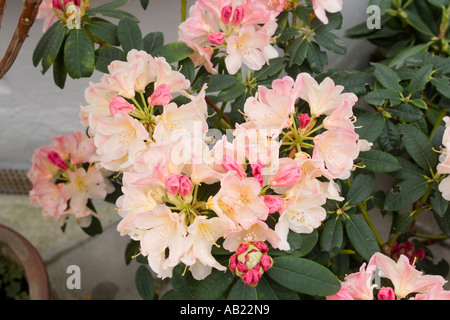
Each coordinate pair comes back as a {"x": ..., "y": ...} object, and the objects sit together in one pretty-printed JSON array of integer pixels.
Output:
[{"x": 22, "y": 271}]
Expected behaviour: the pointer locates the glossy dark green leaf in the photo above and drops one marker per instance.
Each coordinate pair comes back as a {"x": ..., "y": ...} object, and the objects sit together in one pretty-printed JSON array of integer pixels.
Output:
[
  {"x": 187, "y": 68},
  {"x": 401, "y": 223},
  {"x": 59, "y": 70},
  {"x": 438, "y": 204},
  {"x": 304, "y": 276},
  {"x": 242, "y": 291},
  {"x": 153, "y": 41},
  {"x": 330, "y": 41},
  {"x": 418, "y": 147},
  {"x": 378, "y": 161},
  {"x": 41, "y": 46},
  {"x": 408, "y": 170},
  {"x": 174, "y": 52},
  {"x": 129, "y": 34},
  {"x": 401, "y": 57},
  {"x": 144, "y": 4},
  {"x": 219, "y": 82},
  {"x": 267, "y": 289},
  {"x": 95, "y": 228},
  {"x": 232, "y": 92},
  {"x": 379, "y": 96},
  {"x": 144, "y": 283},
  {"x": 104, "y": 31},
  {"x": 317, "y": 59},
  {"x": 111, "y": 12},
  {"x": 362, "y": 187},
  {"x": 361, "y": 237},
  {"x": 389, "y": 138},
  {"x": 53, "y": 46},
  {"x": 79, "y": 54},
  {"x": 271, "y": 69},
  {"x": 443, "y": 222},
  {"x": 442, "y": 85},
  {"x": 332, "y": 235},
  {"x": 105, "y": 55},
  {"x": 406, "y": 112},
  {"x": 214, "y": 285},
  {"x": 405, "y": 193},
  {"x": 414, "y": 19},
  {"x": 298, "y": 51},
  {"x": 368, "y": 125},
  {"x": 387, "y": 77},
  {"x": 420, "y": 78},
  {"x": 131, "y": 250}
]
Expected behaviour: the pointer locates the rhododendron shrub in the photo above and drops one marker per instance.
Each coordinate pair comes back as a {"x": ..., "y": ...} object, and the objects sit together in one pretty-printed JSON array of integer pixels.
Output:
[{"x": 240, "y": 167}]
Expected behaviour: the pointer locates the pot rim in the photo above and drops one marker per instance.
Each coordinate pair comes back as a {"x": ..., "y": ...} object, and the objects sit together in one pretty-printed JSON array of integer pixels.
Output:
[{"x": 31, "y": 260}]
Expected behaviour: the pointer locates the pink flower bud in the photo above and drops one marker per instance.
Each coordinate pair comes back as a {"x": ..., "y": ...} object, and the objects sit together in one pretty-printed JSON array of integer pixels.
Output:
[
  {"x": 257, "y": 171},
  {"x": 386, "y": 293},
  {"x": 173, "y": 183},
  {"x": 274, "y": 203},
  {"x": 185, "y": 186},
  {"x": 242, "y": 248},
  {"x": 287, "y": 176},
  {"x": 216, "y": 38},
  {"x": 229, "y": 163},
  {"x": 233, "y": 263},
  {"x": 252, "y": 277},
  {"x": 57, "y": 4},
  {"x": 227, "y": 11},
  {"x": 238, "y": 15},
  {"x": 419, "y": 254},
  {"x": 57, "y": 160},
  {"x": 304, "y": 120},
  {"x": 161, "y": 96},
  {"x": 261, "y": 246},
  {"x": 119, "y": 104},
  {"x": 266, "y": 262}
]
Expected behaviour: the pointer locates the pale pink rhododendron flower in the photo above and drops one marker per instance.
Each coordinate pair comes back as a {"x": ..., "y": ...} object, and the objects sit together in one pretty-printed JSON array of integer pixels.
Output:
[
  {"x": 61, "y": 185},
  {"x": 443, "y": 168},
  {"x": 407, "y": 282},
  {"x": 243, "y": 28},
  {"x": 321, "y": 6}
]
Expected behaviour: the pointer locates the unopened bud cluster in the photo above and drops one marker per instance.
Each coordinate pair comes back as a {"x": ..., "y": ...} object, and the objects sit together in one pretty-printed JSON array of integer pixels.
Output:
[{"x": 250, "y": 262}]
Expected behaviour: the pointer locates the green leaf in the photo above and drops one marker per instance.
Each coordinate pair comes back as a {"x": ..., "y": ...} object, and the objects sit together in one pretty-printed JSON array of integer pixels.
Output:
[
  {"x": 443, "y": 222},
  {"x": 408, "y": 170},
  {"x": 59, "y": 70},
  {"x": 187, "y": 68},
  {"x": 113, "y": 4},
  {"x": 219, "y": 82},
  {"x": 361, "y": 237},
  {"x": 406, "y": 112},
  {"x": 111, "y": 12},
  {"x": 174, "y": 52},
  {"x": 332, "y": 235},
  {"x": 214, "y": 285},
  {"x": 301, "y": 244},
  {"x": 401, "y": 57},
  {"x": 420, "y": 78},
  {"x": 267, "y": 289},
  {"x": 389, "y": 138},
  {"x": 144, "y": 4},
  {"x": 304, "y": 276},
  {"x": 131, "y": 250},
  {"x": 442, "y": 85},
  {"x": 104, "y": 31},
  {"x": 401, "y": 223},
  {"x": 53, "y": 46},
  {"x": 329, "y": 41},
  {"x": 317, "y": 59},
  {"x": 42, "y": 44},
  {"x": 379, "y": 96},
  {"x": 144, "y": 283},
  {"x": 79, "y": 54},
  {"x": 368, "y": 125},
  {"x": 387, "y": 77},
  {"x": 153, "y": 41},
  {"x": 413, "y": 19},
  {"x": 242, "y": 291},
  {"x": 378, "y": 161},
  {"x": 418, "y": 147},
  {"x": 438, "y": 204},
  {"x": 94, "y": 228},
  {"x": 362, "y": 187},
  {"x": 271, "y": 69},
  {"x": 105, "y": 55},
  {"x": 129, "y": 34},
  {"x": 298, "y": 51},
  {"x": 405, "y": 193},
  {"x": 232, "y": 92},
  {"x": 419, "y": 103}
]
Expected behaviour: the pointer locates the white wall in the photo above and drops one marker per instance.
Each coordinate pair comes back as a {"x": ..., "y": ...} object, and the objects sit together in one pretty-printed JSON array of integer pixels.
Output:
[{"x": 33, "y": 109}]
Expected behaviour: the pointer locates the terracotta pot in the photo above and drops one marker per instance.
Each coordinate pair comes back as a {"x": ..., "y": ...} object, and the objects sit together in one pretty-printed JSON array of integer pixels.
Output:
[{"x": 24, "y": 253}]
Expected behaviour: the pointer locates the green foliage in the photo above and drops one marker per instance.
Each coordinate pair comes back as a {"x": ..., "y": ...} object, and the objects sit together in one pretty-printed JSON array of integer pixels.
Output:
[{"x": 13, "y": 284}]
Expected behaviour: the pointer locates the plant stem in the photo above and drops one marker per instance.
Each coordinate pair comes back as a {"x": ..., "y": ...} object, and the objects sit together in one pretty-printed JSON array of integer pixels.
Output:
[
  {"x": 432, "y": 237},
  {"x": 217, "y": 110},
  {"x": 363, "y": 209},
  {"x": 183, "y": 10}
]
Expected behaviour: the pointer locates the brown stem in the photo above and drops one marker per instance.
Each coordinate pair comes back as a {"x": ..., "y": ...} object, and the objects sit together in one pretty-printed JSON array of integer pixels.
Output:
[
  {"x": 216, "y": 109},
  {"x": 2, "y": 9},
  {"x": 26, "y": 20}
]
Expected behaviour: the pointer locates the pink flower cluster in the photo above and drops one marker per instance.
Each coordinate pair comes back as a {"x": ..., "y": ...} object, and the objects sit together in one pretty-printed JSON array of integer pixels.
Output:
[
  {"x": 408, "y": 249},
  {"x": 443, "y": 167},
  {"x": 168, "y": 157},
  {"x": 250, "y": 262},
  {"x": 407, "y": 282},
  {"x": 242, "y": 28},
  {"x": 65, "y": 177},
  {"x": 51, "y": 11}
]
